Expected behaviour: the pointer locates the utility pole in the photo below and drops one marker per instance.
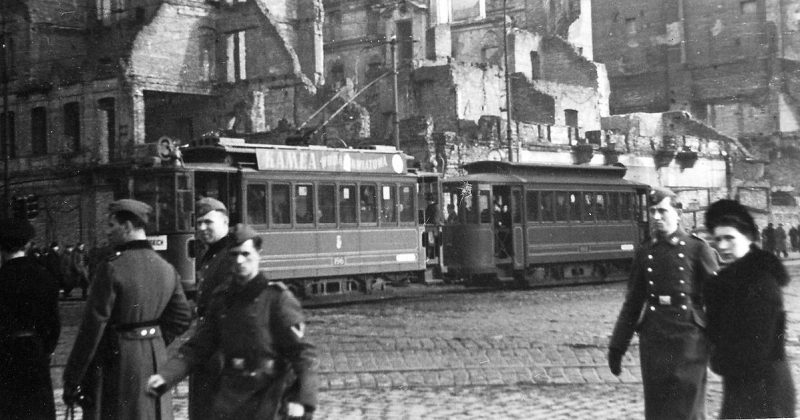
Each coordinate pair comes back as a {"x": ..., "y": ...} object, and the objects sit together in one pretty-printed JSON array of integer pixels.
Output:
[
  {"x": 6, "y": 125},
  {"x": 395, "y": 118},
  {"x": 508, "y": 84}
]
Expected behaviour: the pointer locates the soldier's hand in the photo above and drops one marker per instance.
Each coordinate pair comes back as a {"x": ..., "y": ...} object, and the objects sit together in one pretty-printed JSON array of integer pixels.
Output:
[
  {"x": 156, "y": 385},
  {"x": 615, "y": 360},
  {"x": 295, "y": 411}
]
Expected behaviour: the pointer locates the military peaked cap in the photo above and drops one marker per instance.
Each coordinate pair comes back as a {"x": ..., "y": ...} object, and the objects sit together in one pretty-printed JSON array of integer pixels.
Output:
[
  {"x": 15, "y": 233},
  {"x": 658, "y": 194},
  {"x": 208, "y": 204},
  {"x": 138, "y": 208},
  {"x": 241, "y": 233}
]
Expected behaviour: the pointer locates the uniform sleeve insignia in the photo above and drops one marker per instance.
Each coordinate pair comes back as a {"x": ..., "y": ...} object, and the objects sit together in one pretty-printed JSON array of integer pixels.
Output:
[
  {"x": 279, "y": 284},
  {"x": 299, "y": 329}
]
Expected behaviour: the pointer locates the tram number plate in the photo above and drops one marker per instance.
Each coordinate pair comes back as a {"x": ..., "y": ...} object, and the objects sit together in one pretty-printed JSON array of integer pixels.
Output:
[
  {"x": 338, "y": 260},
  {"x": 583, "y": 248}
]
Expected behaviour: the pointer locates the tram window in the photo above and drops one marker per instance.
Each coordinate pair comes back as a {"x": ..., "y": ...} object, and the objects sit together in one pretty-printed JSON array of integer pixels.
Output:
[
  {"x": 613, "y": 206},
  {"x": 369, "y": 204},
  {"x": 256, "y": 204},
  {"x": 388, "y": 204},
  {"x": 534, "y": 206},
  {"x": 483, "y": 206},
  {"x": 600, "y": 207},
  {"x": 588, "y": 207},
  {"x": 280, "y": 204},
  {"x": 347, "y": 203},
  {"x": 184, "y": 219},
  {"x": 516, "y": 206},
  {"x": 548, "y": 202},
  {"x": 327, "y": 203},
  {"x": 562, "y": 206},
  {"x": 304, "y": 204},
  {"x": 159, "y": 193},
  {"x": 406, "y": 204},
  {"x": 626, "y": 206}
]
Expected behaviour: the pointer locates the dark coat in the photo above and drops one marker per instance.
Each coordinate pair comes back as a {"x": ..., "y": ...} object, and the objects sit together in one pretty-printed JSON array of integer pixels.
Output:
[
  {"x": 256, "y": 331},
  {"x": 113, "y": 356},
  {"x": 211, "y": 272},
  {"x": 664, "y": 303},
  {"x": 29, "y": 329},
  {"x": 747, "y": 327}
]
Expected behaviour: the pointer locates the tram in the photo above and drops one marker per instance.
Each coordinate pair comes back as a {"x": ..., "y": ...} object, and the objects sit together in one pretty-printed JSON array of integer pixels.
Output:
[
  {"x": 334, "y": 221},
  {"x": 537, "y": 225}
]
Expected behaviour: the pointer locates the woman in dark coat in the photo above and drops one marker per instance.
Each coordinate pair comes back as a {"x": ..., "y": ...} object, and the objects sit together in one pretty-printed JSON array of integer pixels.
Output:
[
  {"x": 747, "y": 320},
  {"x": 29, "y": 327}
]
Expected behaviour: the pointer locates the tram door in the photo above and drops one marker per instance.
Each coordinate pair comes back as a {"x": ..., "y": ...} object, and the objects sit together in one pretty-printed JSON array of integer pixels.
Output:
[
  {"x": 517, "y": 229},
  {"x": 502, "y": 223}
]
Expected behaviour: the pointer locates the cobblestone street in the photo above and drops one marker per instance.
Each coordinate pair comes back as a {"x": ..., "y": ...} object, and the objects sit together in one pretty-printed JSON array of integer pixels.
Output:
[{"x": 453, "y": 353}]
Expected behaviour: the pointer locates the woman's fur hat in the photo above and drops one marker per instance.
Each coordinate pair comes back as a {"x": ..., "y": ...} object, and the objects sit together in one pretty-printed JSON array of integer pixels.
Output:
[{"x": 731, "y": 213}]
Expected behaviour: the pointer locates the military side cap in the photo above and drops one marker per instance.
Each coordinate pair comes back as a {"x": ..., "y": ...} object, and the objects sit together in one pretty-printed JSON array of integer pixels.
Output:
[
  {"x": 241, "y": 233},
  {"x": 15, "y": 233},
  {"x": 658, "y": 194},
  {"x": 208, "y": 204},
  {"x": 138, "y": 208}
]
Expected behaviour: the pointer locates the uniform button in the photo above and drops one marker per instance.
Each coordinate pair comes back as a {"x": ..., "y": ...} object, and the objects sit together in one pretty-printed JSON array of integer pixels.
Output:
[
  {"x": 652, "y": 308},
  {"x": 652, "y": 295},
  {"x": 683, "y": 242},
  {"x": 649, "y": 270},
  {"x": 143, "y": 333},
  {"x": 152, "y": 331},
  {"x": 683, "y": 307},
  {"x": 680, "y": 255},
  {"x": 680, "y": 268},
  {"x": 683, "y": 294},
  {"x": 649, "y": 256},
  {"x": 651, "y": 282},
  {"x": 681, "y": 281}
]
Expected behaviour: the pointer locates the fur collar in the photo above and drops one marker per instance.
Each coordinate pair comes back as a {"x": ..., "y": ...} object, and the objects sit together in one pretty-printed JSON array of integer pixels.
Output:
[{"x": 758, "y": 261}]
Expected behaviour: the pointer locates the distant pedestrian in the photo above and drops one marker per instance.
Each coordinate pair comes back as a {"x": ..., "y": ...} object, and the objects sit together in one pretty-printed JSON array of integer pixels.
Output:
[
  {"x": 29, "y": 327},
  {"x": 80, "y": 268},
  {"x": 664, "y": 304},
  {"x": 780, "y": 241},
  {"x": 433, "y": 214},
  {"x": 747, "y": 320},
  {"x": 256, "y": 328},
  {"x": 135, "y": 307},
  {"x": 67, "y": 271},
  {"x": 52, "y": 262},
  {"x": 794, "y": 236},
  {"x": 768, "y": 238}
]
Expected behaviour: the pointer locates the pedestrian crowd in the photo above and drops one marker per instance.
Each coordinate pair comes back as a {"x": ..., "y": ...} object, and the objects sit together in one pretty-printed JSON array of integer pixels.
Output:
[
  {"x": 695, "y": 307},
  {"x": 692, "y": 305}
]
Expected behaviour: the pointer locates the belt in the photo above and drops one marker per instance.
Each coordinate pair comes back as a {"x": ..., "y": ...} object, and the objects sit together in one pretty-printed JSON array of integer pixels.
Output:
[
  {"x": 240, "y": 366},
  {"x": 136, "y": 325},
  {"x": 139, "y": 330},
  {"x": 681, "y": 299}
]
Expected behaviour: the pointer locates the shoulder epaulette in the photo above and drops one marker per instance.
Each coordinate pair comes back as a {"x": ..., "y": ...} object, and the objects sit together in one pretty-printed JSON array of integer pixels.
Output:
[
  {"x": 696, "y": 236},
  {"x": 114, "y": 256},
  {"x": 279, "y": 284}
]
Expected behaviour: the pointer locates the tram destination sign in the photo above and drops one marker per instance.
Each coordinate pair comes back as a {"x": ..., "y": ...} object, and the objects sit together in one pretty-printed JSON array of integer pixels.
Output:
[{"x": 335, "y": 160}]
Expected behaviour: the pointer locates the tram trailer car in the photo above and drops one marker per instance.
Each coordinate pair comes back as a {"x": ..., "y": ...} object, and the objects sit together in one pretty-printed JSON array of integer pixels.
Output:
[
  {"x": 541, "y": 225},
  {"x": 334, "y": 221}
]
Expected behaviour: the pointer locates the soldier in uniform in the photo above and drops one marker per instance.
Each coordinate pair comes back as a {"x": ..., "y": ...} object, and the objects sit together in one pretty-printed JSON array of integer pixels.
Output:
[
  {"x": 135, "y": 307},
  {"x": 256, "y": 327},
  {"x": 29, "y": 327},
  {"x": 664, "y": 304},
  {"x": 212, "y": 230}
]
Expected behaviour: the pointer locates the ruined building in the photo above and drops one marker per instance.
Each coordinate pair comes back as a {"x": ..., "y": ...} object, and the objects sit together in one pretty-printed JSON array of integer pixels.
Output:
[
  {"x": 731, "y": 65},
  {"x": 91, "y": 83}
]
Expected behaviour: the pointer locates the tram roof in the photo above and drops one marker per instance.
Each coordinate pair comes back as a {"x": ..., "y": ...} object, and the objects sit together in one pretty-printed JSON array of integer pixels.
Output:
[{"x": 514, "y": 172}]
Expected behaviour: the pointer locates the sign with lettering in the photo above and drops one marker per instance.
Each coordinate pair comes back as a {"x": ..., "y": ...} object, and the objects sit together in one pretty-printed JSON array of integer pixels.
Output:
[
  {"x": 159, "y": 243},
  {"x": 335, "y": 160}
]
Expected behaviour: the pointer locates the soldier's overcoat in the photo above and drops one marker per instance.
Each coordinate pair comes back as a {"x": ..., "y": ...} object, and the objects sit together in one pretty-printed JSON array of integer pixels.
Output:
[
  {"x": 664, "y": 303},
  {"x": 29, "y": 329},
  {"x": 256, "y": 331},
  {"x": 212, "y": 268},
  {"x": 135, "y": 303}
]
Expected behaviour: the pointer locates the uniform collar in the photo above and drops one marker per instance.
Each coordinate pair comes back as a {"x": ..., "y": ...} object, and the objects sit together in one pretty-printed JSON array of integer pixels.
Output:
[
  {"x": 675, "y": 238},
  {"x": 138, "y": 244},
  {"x": 216, "y": 247}
]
